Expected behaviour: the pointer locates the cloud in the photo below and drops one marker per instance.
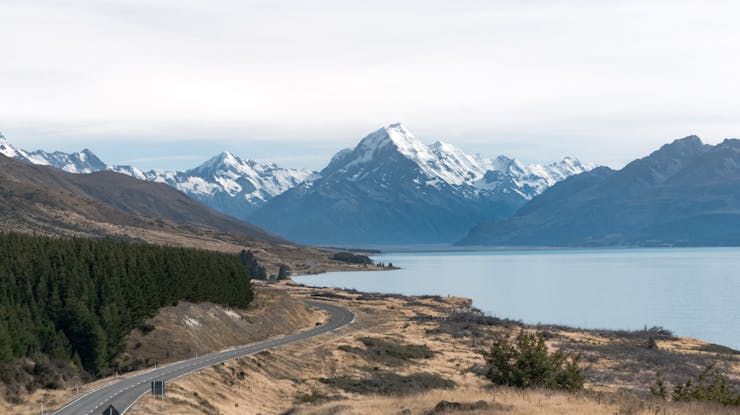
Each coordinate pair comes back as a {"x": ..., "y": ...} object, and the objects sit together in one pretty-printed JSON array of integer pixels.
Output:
[{"x": 615, "y": 77}]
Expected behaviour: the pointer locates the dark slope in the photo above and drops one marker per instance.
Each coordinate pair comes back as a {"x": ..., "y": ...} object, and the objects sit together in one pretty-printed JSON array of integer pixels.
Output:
[
  {"x": 30, "y": 192},
  {"x": 684, "y": 194}
]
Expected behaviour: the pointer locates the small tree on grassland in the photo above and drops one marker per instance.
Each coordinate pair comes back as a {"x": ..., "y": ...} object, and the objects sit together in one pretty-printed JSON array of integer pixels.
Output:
[
  {"x": 526, "y": 363},
  {"x": 283, "y": 272}
]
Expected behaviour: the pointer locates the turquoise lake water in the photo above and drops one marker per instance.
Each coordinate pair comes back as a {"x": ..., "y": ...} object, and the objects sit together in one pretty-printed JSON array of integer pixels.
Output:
[{"x": 694, "y": 292}]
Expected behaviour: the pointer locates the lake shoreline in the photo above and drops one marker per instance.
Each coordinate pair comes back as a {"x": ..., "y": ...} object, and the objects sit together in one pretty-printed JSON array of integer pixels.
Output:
[{"x": 687, "y": 290}]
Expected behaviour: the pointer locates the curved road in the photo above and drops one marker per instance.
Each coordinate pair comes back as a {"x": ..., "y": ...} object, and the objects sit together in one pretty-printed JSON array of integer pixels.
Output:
[{"x": 123, "y": 393}]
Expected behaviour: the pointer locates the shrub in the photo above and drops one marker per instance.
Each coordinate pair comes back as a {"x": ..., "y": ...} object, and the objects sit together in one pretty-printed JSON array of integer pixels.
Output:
[
  {"x": 659, "y": 390},
  {"x": 710, "y": 386},
  {"x": 283, "y": 272},
  {"x": 388, "y": 383},
  {"x": 526, "y": 363},
  {"x": 254, "y": 269}
]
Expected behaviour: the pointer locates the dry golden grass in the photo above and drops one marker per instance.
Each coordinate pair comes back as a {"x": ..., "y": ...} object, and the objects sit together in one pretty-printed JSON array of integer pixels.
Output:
[
  {"x": 510, "y": 402},
  {"x": 287, "y": 380}
]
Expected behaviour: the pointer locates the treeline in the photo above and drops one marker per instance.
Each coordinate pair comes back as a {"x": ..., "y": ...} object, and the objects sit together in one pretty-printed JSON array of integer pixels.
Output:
[
  {"x": 351, "y": 258},
  {"x": 76, "y": 299}
]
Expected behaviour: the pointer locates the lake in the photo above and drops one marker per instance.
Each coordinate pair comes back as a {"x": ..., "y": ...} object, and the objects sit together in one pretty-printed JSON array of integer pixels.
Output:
[{"x": 694, "y": 292}]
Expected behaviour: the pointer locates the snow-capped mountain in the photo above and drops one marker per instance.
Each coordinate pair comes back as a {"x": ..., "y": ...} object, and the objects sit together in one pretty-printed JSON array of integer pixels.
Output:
[
  {"x": 389, "y": 189},
  {"x": 442, "y": 162},
  {"x": 393, "y": 189},
  {"x": 227, "y": 183},
  {"x": 84, "y": 161}
]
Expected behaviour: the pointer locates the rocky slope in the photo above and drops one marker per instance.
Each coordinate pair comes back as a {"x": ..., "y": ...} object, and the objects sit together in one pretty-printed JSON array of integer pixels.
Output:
[{"x": 685, "y": 194}]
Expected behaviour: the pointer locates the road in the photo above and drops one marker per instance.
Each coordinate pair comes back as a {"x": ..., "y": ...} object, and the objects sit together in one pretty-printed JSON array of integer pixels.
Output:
[{"x": 123, "y": 393}]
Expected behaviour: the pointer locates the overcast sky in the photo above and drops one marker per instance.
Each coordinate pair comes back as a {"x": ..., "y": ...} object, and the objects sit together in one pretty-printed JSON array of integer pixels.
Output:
[{"x": 166, "y": 84}]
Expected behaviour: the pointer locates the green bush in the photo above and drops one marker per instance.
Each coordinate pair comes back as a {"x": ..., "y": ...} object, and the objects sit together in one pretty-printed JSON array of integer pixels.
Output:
[
  {"x": 283, "y": 272},
  {"x": 710, "y": 386},
  {"x": 659, "y": 389},
  {"x": 526, "y": 363}
]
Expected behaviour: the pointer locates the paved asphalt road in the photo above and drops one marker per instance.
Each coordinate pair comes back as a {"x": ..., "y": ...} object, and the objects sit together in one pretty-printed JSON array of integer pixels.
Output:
[{"x": 123, "y": 393}]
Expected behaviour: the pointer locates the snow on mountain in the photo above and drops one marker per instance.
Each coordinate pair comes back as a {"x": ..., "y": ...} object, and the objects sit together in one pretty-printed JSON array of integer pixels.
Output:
[
  {"x": 130, "y": 171},
  {"x": 252, "y": 180},
  {"x": 528, "y": 180},
  {"x": 81, "y": 162},
  {"x": 226, "y": 182},
  {"x": 391, "y": 188},
  {"x": 8, "y": 150},
  {"x": 442, "y": 162}
]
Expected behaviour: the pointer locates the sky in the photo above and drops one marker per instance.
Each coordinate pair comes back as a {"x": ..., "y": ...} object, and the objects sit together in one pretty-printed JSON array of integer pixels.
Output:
[{"x": 168, "y": 83}]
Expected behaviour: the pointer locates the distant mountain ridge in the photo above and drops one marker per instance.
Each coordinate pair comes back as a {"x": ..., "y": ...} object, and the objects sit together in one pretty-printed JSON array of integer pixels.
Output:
[
  {"x": 84, "y": 161},
  {"x": 390, "y": 189},
  {"x": 393, "y": 189},
  {"x": 686, "y": 193},
  {"x": 45, "y": 199},
  {"x": 225, "y": 182}
]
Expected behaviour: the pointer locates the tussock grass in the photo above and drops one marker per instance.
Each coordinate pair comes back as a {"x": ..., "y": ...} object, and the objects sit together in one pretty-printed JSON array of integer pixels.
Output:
[
  {"x": 508, "y": 401},
  {"x": 387, "y": 383},
  {"x": 388, "y": 352}
]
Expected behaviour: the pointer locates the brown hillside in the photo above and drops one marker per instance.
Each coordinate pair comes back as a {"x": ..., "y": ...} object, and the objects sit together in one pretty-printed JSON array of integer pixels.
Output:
[
  {"x": 49, "y": 201},
  {"x": 125, "y": 194}
]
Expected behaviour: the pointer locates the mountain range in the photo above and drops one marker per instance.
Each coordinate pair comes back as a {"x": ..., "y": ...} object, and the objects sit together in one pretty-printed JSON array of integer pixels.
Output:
[
  {"x": 390, "y": 189},
  {"x": 225, "y": 182},
  {"x": 686, "y": 193},
  {"x": 44, "y": 200},
  {"x": 47, "y": 200},
  {"x": 393, "y": 189},
  {"x": 84, "y": 161}
]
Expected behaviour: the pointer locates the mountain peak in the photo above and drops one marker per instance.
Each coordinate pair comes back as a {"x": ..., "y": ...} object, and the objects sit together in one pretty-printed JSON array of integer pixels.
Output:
[
  {"x": 8, "y": 150},
  {"x": 222, "y": 159},
  {"x": 395, "y": 134},
  {"x": 682, "y": 147},
  {"x": 693, "y": 139}
]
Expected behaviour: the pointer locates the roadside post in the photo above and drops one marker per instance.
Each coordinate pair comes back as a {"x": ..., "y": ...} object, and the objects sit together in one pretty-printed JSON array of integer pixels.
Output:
[
  {"x": 158, "y": 389},
  {"x": 111, "y": 411}
]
